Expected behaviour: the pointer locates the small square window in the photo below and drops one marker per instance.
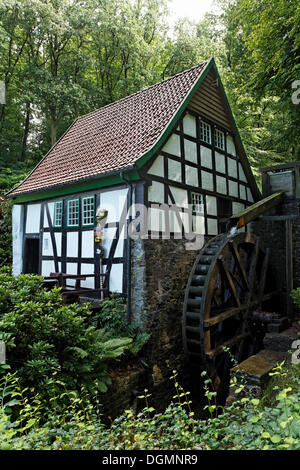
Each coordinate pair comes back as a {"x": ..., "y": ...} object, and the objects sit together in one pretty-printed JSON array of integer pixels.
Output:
[
  {"x": 73, "y": 213},
  {"x": 197, "y": 203},
  {"x": 88, "y": 210},
  {"x": 58, "y": 211},
  {"x": 219, "y": 139},
  {"x": 205, "y": 132}
]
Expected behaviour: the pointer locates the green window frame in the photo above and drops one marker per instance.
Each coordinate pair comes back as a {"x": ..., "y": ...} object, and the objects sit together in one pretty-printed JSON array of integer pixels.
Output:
[
  {"x": 73, "y": 209},
  {"x": 58, "y": 214},
  {"x": 88, "y": 211}
]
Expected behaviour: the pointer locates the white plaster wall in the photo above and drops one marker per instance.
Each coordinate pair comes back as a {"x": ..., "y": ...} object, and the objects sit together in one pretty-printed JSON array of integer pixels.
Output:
[
  {"x": 33, "y": 218},
  {"x": 230, "y": 146},
  {"x": 51, "y": 211},
  {"x": 232, "y": 167},
  {"x": 233, "y": 188},
  {"x": 237, "y": 207},
  {"x": 109, "y": 235},
  {"x": 211, "y": 205},
  {"x": 173, "y": 145},
  {"x": 242, "y": 174},
  {"x": 114, "y": 202},
  {"x": 249, "y": 195},
  {"x": 47, "y": 244},
  {"x": 207, "y": 180},
  {"x": 212, "y": 227},
  {"x": 191, "y": 176},
  {"x": 72, "y": 245},
  {"x": 189, "y": 125},
  {"x": 157, "y": 167},
  {"x": 206, "y": 156},
  {"x": 116, "y": 278},
  {"x": 156, "y": 219},
  {"x": 190, "y": 151},
  {"x": 120, "y": 245},
  {"x": 87, "y": 246},
  {"x": 220, "y": 162},
  {"x": 88, "y": 268},
  {"x": 221, "y": 185},
  {"x": 174, "y": 170},
  {"x": 243, "y": 192},
  {"x": 71, "y": 269},
  {"x": 180, "y": 196},
  {"x": 47, "y": 268},
  {"x": 17, "y": 238},
  {"x": 199, "y": 224},
  {"x": 156, "y": 192}
]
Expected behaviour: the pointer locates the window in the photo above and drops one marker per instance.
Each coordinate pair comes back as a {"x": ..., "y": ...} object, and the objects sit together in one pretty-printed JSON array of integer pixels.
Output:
[
  {"x": 197, "y": 203},
  {"x": 219, "y": 139},
  {"x": 58, "y": 211},
  {"x": 205, "y": 132},
  {"x": 73, "y": 213},
  {"x": 88, "y": 210}
]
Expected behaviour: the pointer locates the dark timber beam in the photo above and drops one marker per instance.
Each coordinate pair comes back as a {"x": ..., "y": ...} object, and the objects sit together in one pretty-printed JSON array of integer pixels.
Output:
[{"x": 255, "y": 210}]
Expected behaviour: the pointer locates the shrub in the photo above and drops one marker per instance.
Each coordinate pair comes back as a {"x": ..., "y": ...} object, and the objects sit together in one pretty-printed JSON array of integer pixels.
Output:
[
  {"x": 112, "y": 317},
  {"x": 50, "y": 344},
  {"x": 246, "y": 425}
]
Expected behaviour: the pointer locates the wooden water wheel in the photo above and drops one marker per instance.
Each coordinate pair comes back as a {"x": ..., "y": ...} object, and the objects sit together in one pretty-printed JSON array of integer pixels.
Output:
[{"x": 229, "y": 280}]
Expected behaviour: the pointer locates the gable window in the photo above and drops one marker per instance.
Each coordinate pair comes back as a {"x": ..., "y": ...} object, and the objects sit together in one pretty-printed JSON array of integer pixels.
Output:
[
  {"x": 197, "y": 203},
  {"x": 58, "y": 212},
  {"x": 219, "y": 139},
  {"x": 88, "y": 210},
  {"x": 73, "y": 213},
  {"x": 205, "y": 132}
]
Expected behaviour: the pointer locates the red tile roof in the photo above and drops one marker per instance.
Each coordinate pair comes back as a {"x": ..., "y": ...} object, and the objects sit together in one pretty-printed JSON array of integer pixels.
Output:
[{"x": 113, "y": 137}]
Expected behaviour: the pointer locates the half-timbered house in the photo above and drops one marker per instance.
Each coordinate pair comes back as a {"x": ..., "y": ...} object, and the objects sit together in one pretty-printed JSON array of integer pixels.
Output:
[{"x": 174, "y": 143}]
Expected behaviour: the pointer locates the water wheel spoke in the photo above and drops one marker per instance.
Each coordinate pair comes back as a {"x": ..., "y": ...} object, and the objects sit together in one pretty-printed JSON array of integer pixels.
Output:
[
  {"x": 239, "y": 264},
  {"x": 219, "y": 349},
  {"x": 252, "y": 270},
  {"x": 229, "y": 280}
]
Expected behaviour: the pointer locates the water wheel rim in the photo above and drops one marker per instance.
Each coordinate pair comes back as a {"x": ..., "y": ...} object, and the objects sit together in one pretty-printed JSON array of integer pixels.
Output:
[{"x": 203, "y": 339}]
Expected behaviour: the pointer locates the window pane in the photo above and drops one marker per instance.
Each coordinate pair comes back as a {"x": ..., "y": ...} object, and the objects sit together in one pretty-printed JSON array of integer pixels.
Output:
[
  {"x": 88, "y": 210},
  {"x": 73, "y": 213},
  {"x": 205, "y": 132},
  {"x": 58, "y": 214},
  {"x": 197, "y": 203},
  {"x": 219, "y": 139}
]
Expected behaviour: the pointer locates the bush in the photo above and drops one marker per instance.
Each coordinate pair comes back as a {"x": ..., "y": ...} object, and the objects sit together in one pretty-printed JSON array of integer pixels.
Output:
[
  {"x": 5, "y": 232},
  {"x": 112, "y": 317},
  {"x": 51, "y": 345},
  {"x": 246, "y": 425}
]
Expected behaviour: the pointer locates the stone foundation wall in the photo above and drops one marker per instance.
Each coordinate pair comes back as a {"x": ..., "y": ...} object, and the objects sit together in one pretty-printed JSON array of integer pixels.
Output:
[{"x": 160, "y": 270}]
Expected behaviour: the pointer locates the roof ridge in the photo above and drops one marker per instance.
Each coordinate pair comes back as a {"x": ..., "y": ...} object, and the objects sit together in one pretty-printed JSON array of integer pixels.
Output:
[{"x": 143, "y": 90}]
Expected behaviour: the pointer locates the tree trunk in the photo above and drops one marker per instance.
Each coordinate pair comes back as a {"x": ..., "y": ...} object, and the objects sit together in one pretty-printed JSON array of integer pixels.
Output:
[
  {"x": 26, "y": 132},
  {"x": 53, "y": 131}
]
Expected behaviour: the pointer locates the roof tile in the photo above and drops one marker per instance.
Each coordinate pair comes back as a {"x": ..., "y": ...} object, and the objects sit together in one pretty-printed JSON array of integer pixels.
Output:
[{"x": 113, "y": 137}]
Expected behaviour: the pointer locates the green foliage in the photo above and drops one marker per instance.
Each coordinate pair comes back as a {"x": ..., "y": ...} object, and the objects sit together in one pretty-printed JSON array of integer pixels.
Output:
[
  {"x": 50, "y": 344},
  {"x": 246, "y": 425},
  {"x": 112, "y": 317},
  {"x": 5, "y": 232},
  {"x": 295, "y": 294}
]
